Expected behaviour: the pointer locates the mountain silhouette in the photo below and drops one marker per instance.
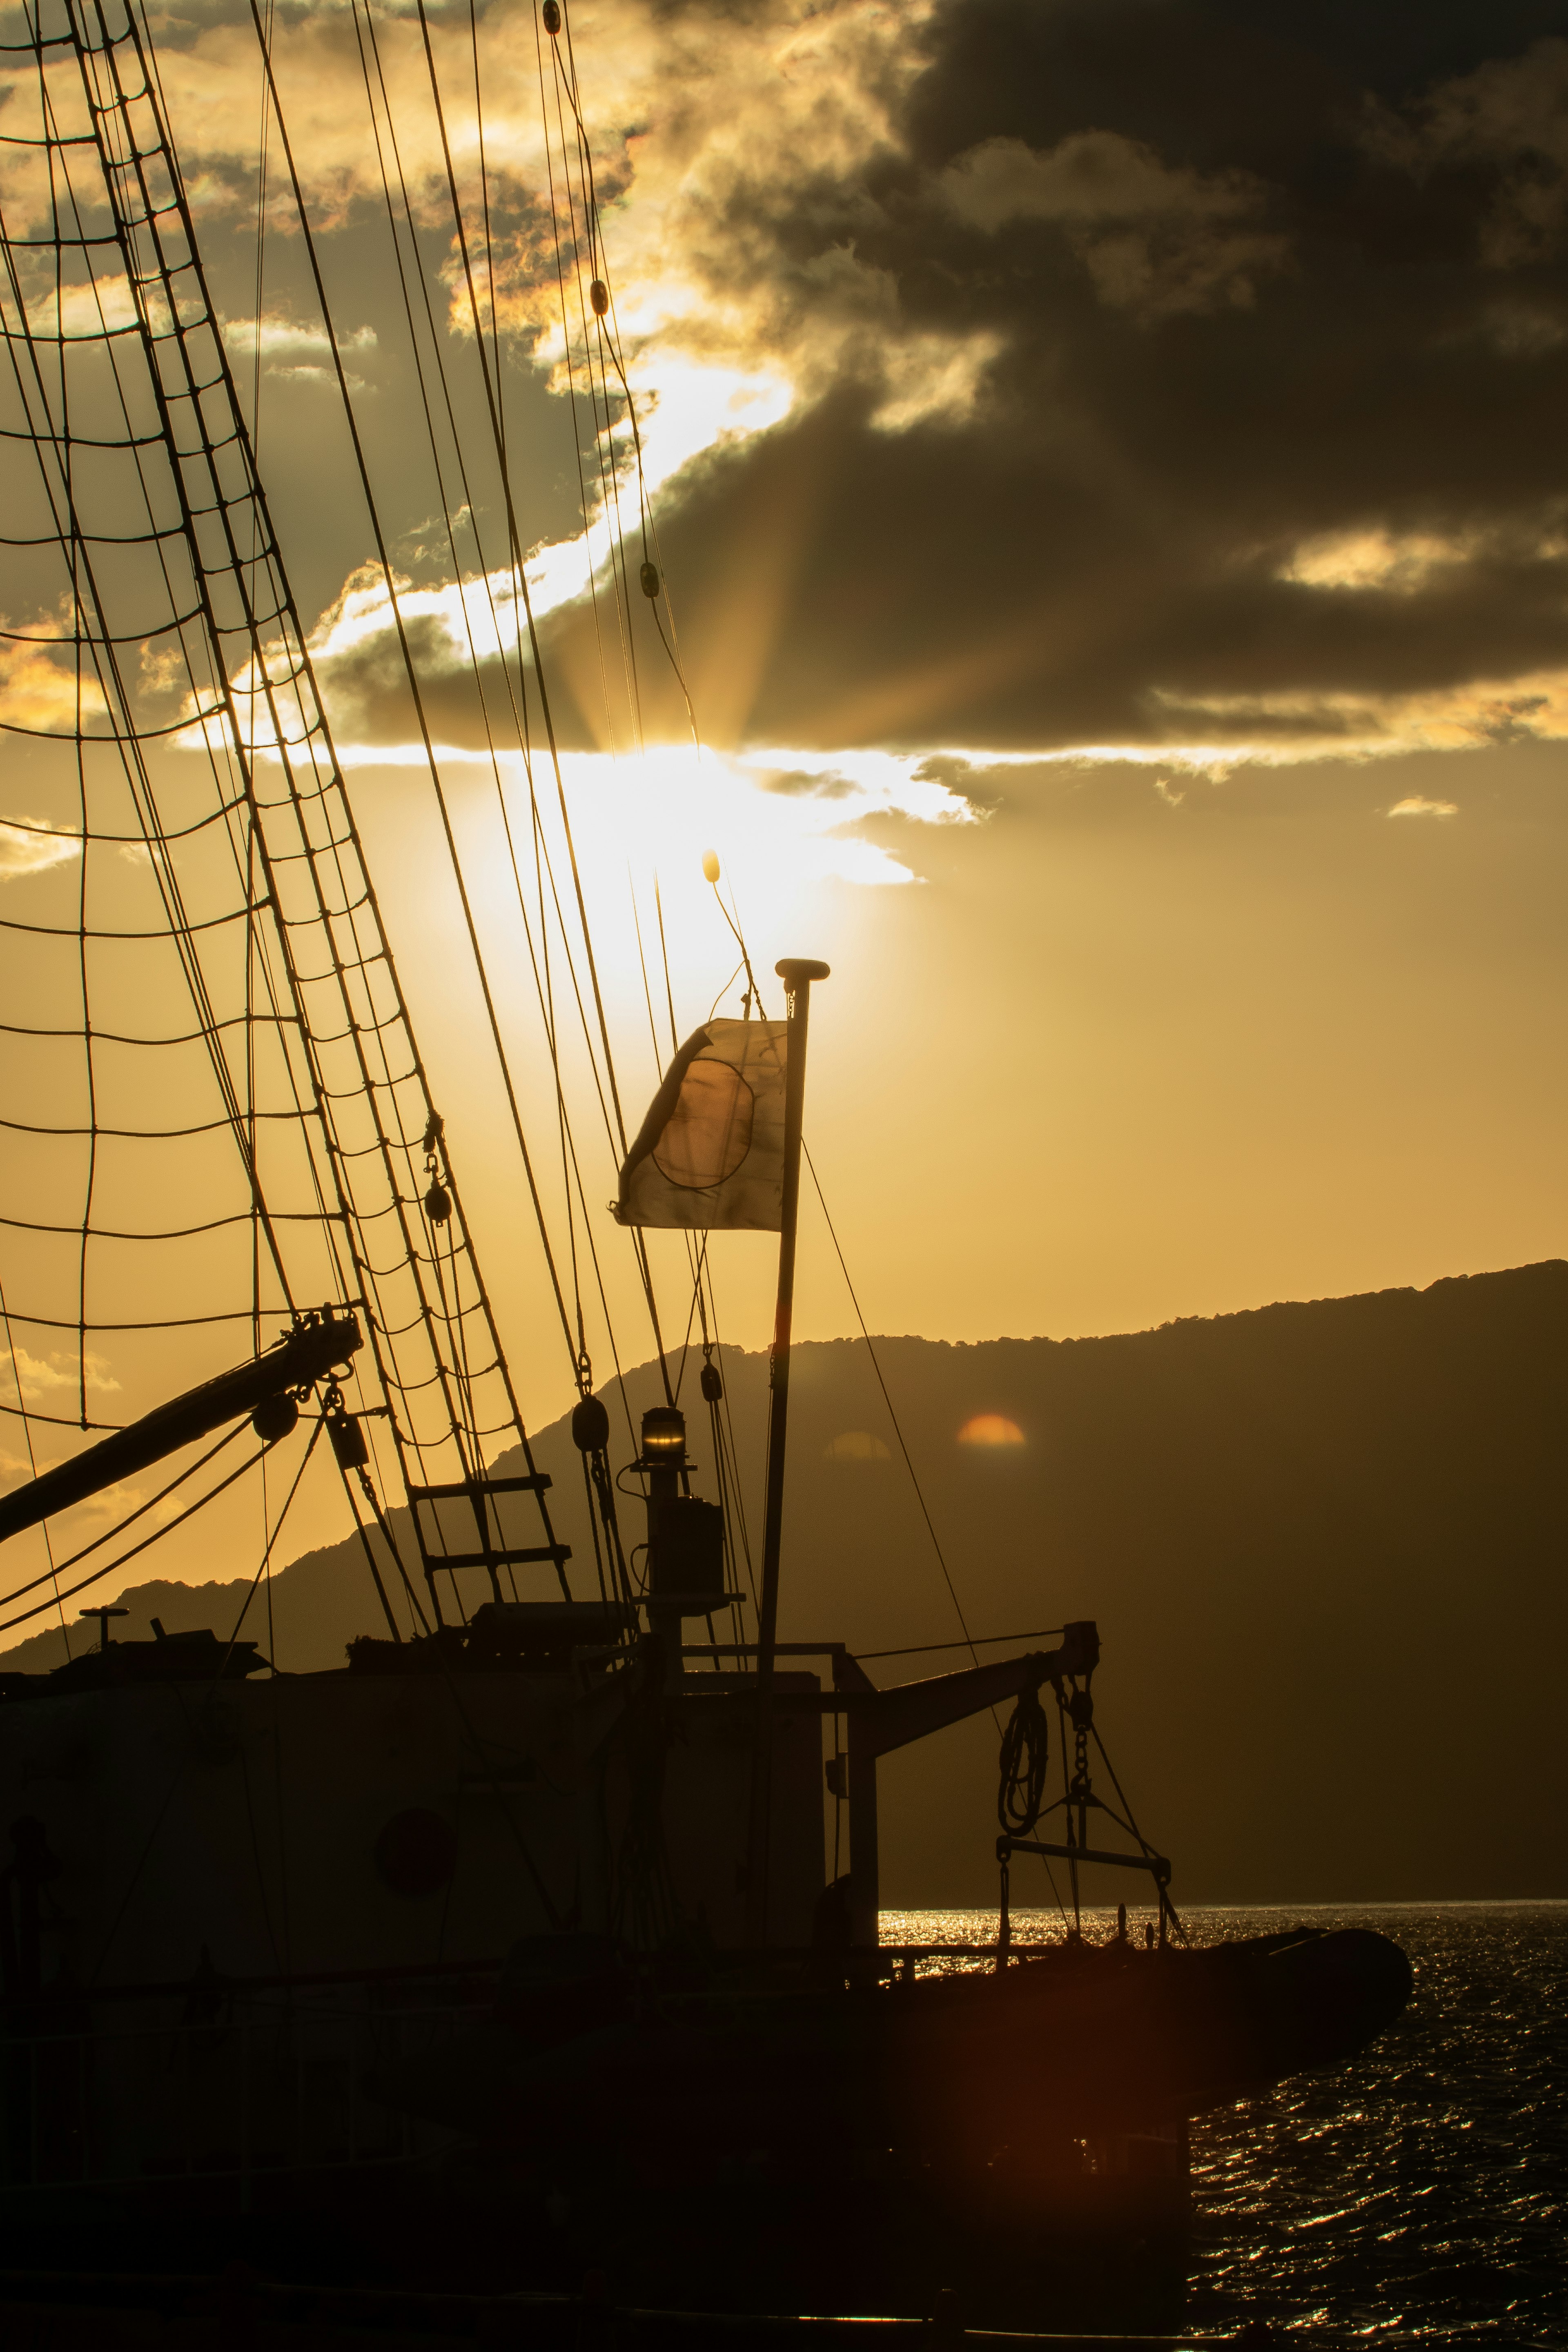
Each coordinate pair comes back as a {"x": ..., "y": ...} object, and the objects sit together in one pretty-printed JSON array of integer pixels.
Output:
[{"x": 1324, "y": 1543}]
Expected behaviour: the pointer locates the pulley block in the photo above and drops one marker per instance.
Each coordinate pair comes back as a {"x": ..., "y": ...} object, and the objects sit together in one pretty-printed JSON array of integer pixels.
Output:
[
  {"x": 348, "y": 1441},
  {"x": 590, "y": 1425}
]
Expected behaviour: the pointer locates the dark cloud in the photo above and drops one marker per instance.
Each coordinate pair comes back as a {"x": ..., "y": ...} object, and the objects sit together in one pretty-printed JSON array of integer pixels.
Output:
[{"x": 1268, "y": 440}]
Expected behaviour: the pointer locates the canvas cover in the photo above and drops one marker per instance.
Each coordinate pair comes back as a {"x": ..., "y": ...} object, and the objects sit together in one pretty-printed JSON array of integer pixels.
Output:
[{"x": 709, "y": 1154}]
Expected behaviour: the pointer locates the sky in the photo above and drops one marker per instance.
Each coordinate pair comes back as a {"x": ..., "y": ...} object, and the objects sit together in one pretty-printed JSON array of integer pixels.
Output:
[{"x": 1106, "y": 471}]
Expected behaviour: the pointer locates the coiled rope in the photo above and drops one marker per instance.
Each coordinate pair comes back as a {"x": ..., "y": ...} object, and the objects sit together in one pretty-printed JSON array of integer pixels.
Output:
[{"x": 1021, "y": 1791}]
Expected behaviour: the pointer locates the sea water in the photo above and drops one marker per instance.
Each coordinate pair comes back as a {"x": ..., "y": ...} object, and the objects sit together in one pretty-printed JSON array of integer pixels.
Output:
[{"x": 1418, "y": 2192}]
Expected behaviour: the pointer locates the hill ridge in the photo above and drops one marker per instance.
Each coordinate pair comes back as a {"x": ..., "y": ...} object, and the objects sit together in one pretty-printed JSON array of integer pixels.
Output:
[{"x": 1313, "y": 1532}]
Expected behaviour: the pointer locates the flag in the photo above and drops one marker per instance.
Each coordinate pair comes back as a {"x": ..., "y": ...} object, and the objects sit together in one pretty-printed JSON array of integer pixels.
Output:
[{"x": 709, "y": 1153}]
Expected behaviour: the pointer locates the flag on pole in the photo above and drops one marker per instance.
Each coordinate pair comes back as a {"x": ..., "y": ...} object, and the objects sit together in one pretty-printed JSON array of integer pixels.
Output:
[{"x": 709, "y": 1154}]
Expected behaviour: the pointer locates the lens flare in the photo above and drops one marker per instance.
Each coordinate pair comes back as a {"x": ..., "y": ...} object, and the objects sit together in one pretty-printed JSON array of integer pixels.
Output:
[
  {"x": 990, "y": 1429},
  {"x": 856, "y": 1446}
]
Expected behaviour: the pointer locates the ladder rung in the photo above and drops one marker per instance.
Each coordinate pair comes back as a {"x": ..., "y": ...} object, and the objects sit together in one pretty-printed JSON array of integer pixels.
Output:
[
  {"x": 557, "y": 1553},
  {"x": 460, "y": 1490}
]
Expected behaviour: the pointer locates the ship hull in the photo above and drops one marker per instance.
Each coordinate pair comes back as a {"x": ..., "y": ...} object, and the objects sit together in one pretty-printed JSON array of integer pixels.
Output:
[{"x": 1067, "y": 2047}]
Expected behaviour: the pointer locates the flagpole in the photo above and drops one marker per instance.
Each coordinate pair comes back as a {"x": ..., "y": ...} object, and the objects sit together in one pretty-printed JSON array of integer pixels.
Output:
[{"x": 798, "y": 975}]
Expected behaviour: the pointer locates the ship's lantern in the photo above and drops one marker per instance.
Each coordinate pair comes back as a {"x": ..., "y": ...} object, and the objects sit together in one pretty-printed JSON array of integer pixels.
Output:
[{"x": 663, "y": 1435}]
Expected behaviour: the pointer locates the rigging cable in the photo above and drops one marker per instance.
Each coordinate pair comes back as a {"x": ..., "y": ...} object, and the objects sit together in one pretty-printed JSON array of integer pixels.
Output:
[
  {"x": 151, "y": 830},
  {"x": 268, "y": 1547},
  {"x": 522, "y": 590},
  {"x": 73, "y": 543},
  {"x": 158, "y": 1533},
  {"x": 543, "y": 985},
  {"x": 870, "y": 1347},
  {"x": 610, "y": 337},
  {"x": 385, "y": 561},
  {"x": 897, "y": 1432},
  {"x": 598, "y": 396},
  {"x": 516, "y": 547},
  {"x": 571, "y": 394},
  {"x": 165, "y": 316},
  {"x": 130, "y": 1519},
  {"x": 33, "y": 1461}
]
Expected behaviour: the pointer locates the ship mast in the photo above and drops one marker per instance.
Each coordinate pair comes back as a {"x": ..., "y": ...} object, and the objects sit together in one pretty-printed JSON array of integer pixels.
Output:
[{"x": 797, "y": 974}]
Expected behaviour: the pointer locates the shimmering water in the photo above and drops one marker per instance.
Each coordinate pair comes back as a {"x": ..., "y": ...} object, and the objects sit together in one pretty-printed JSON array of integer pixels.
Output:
[{"x": 1420, "y": 2191}]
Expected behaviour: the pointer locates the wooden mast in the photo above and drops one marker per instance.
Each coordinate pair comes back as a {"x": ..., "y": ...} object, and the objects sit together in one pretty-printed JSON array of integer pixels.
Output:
[{"x": 798, "y": 975}]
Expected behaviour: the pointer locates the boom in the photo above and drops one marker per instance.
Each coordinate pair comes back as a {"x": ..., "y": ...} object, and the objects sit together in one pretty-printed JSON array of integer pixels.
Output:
[{"x": 303, "y": 1355}]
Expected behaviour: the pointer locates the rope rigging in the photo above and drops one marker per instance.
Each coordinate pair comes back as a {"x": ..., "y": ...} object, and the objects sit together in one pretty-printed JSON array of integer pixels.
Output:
[
  {"x": 262, "y": 894},
  {"x": 539, "y": 954},
  {"x": 1025, "y": 1753},
  {"x": 427, "y": 350},
  {"x": 228, "y": 627},
  {"x": 606, "y": 336},
  {"x": 318, "y": 1085}
]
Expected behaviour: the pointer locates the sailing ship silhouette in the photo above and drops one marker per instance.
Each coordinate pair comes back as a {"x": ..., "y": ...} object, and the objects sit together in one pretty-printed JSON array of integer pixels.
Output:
[{"x": 530, "y": 1867}]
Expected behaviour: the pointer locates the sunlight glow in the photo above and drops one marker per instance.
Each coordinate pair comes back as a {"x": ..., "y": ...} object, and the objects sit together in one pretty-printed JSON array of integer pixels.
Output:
[{"x": 990, "y": 1429}]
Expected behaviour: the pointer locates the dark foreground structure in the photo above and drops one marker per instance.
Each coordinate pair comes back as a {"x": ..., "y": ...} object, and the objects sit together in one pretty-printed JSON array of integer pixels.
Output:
[
  {"x": 823, "y": 2123},
  {"x": 504, "y": 1952}
]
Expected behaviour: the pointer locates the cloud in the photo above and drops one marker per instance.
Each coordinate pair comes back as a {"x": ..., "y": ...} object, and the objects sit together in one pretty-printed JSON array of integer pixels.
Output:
[
  {"x": 1155, "y": 241},
  {"x": 634, "y": 811},
  {"x": 295, "y": 351},
  {"x": 1418, "y": 804},
  {"x": 42, "y": 690},
  {"x": 279, "y": 337},
  {"x": 1276, "y": 730},
  {"x": 1217, "y": 490},
  {"x": 27, "y": 847},
  {"x": 1375, "y": 559},
  {"x": 1509, "y": 117},
  {"x": 1106, "y": 380},
  {"x": 98, "y": 304},
  {"x": 50, "y": 1373}
]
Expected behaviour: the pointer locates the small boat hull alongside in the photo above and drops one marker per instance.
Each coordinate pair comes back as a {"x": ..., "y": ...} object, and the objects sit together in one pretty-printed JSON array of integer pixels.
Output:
[{"x": 1069, "y": 2044}]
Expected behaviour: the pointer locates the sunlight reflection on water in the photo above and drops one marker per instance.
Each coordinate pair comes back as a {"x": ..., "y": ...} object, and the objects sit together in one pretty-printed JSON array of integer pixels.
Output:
[{"x": 1420, "y": 2190}]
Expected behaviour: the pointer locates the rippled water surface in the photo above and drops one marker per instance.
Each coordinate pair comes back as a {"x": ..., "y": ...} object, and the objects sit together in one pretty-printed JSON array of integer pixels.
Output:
[{"x": 1420, "y": 2191}]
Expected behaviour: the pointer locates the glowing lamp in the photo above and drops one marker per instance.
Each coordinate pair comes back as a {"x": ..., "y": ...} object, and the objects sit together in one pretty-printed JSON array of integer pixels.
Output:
[{"x": 663, "y": 1435}]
